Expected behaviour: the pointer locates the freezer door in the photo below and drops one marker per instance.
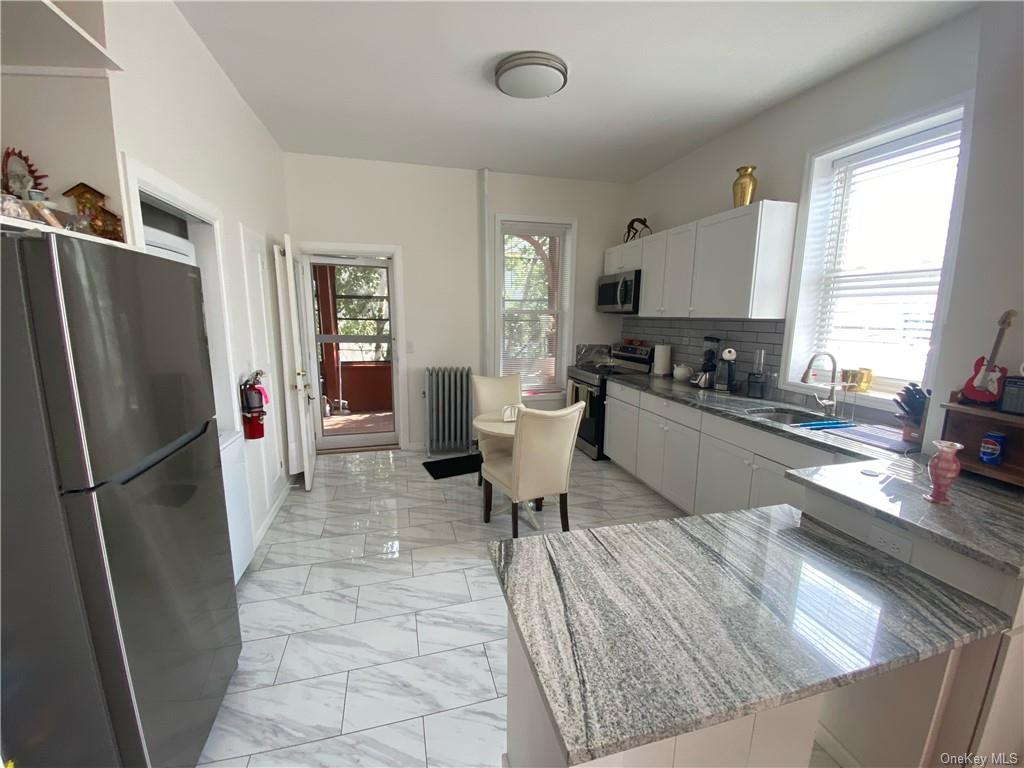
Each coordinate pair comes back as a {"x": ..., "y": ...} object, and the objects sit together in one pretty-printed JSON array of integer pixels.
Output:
[
  {"x": 123, "y": 351},
  {"x": 165, "y": 539}
]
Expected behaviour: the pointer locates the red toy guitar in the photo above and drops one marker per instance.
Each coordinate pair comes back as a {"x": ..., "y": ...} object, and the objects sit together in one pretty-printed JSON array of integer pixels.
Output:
[{"x": 986, "y": 383}]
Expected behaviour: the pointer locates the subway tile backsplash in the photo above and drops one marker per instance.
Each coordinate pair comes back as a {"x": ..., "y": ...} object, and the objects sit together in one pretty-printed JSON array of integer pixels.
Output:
[{"x": 686, "y": 335}]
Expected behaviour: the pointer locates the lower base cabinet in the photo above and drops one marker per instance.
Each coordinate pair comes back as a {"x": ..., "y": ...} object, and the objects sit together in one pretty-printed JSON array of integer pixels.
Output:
[
  {"x": 666, "y": 458},
  {"x": 680, "y": 457},
  {"x": 679, "y": 480},
  {"x": 731, "y": 478},
  {"x": 723, "y": 476},
  {"x": 768, "y": 485},
  {"x": 620, "y": 433}
]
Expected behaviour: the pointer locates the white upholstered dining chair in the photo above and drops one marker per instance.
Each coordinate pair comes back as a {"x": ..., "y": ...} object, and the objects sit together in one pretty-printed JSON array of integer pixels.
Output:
[
  {"x": 538, "y": 464},
  {"x": 492, "y": 393}
]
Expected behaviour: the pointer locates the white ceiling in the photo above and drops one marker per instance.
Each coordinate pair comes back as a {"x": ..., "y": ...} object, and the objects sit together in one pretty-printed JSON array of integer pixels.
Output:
[{"x": 413, "y": 82}]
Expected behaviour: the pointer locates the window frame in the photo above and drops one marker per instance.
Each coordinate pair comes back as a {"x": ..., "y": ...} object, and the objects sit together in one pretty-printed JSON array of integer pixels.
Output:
[
  {"x": 494, "y": 278},
  {"x": 805, "y": 277}
]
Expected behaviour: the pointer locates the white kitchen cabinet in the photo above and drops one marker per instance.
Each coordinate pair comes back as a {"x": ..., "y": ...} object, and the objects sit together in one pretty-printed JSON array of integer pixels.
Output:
[
  {"x": 652, "y": 274},
  {"x": 667, "y": 272},
  {"x": 742, "y": 260},
  {"x": 650, "y": 449},
  {"x": 666, "y": 458},
  {"x": 768, "y": 485},
  {"x": 723, "y": 477},
  {"x": 679, "y": 252},
  {"x": 624, "y": 258},
  {"x": 679, "y": 471},
  {"x": 620, "y": 433}
]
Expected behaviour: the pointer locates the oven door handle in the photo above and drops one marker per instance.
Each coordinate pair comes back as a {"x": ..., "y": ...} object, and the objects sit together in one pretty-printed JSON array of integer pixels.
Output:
[
  {"x": 580, "y": 385},
  {"x": 622, "y": 285}
]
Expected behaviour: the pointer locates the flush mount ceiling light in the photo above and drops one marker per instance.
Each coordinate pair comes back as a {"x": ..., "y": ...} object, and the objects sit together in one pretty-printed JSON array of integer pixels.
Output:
[{"x": 531, "y": 75}]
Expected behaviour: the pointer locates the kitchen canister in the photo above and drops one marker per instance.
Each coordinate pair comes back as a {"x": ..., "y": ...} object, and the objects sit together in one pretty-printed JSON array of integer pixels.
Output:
[{"x": 662, "y": 359}]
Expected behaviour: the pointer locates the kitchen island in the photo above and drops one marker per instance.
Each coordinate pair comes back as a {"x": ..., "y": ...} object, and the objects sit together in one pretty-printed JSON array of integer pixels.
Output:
[{"x": 710, "y": 640}]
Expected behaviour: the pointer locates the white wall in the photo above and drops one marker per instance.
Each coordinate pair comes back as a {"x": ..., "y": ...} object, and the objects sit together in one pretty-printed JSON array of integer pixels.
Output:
[
  {"x": 176, "y": 112},
  {"x": 989, "y": 272},
  {"x": 433, "y": 214},
  {"x": 926, "y": 71}
]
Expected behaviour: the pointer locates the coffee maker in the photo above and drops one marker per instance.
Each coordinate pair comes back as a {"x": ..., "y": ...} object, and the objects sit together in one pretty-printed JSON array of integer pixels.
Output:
[
  {"x": 725, "y": 374},
  {"x": 705, "y": 379}
]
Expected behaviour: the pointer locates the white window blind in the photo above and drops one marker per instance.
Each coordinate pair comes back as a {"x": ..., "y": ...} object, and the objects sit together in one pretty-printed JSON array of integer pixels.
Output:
[
  {"x": 885, "y": 241},
  {"x": 535, "y": 296}
]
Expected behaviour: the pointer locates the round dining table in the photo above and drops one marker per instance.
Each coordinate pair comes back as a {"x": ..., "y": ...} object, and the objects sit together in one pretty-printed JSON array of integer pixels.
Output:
[{"x": 493, "y": 424}]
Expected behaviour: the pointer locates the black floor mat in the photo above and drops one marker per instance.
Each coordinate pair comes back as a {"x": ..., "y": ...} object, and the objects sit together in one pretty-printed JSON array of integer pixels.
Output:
[{"x": 453, "y": 467}]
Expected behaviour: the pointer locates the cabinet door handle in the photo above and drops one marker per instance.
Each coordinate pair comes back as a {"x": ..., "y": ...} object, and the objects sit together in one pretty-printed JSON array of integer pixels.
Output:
[
  {"x": 754, "y": 467},
  {"x": 746, "y": 462}
]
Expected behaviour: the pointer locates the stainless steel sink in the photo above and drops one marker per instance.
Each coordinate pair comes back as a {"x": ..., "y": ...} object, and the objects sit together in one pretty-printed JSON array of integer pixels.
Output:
[{"x": 786, "y": 415}]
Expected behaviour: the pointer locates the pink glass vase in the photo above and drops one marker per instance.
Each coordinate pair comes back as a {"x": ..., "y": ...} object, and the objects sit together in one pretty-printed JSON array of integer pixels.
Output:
[{"x": 943, "y": 468}]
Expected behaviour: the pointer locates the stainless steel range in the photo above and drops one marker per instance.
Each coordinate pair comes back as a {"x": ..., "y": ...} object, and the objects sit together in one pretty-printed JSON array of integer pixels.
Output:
[{"x": 595, "y": 363}]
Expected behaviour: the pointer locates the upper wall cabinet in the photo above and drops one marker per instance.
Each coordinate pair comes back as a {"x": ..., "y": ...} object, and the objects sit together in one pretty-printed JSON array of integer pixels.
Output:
[
  {"x": 623, "y": 258},
  {"x": 734, "y": 264},
  {"x": 742, "y": 260},
  {"x": 667, "y": 272}
]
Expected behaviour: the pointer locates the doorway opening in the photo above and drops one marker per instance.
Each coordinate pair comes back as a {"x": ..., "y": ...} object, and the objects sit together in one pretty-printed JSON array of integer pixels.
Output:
[{"x": 352, "y": 319}]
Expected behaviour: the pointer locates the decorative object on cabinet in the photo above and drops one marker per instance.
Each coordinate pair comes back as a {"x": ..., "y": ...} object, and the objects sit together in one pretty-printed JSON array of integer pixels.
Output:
[
  {"x": 943, "y": 469},
  {"x": 89, "y": 203},
  {"x": 744, "y": 187},
  {"x": 636, "y": 229},
  {"x": 15, "y": 207},
  {"x": 969, "y": 424},
  {"x": 985, "y": 385},
  {"x": 20, "y": 175}
]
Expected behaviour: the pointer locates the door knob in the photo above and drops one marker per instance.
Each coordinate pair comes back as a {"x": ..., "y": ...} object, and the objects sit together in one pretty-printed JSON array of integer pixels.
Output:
[{"x": 300, "y": 373}]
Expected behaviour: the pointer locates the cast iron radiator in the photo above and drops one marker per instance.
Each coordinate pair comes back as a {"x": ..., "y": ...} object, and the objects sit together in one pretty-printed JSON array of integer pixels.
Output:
[{"x": 449, "y": 409}]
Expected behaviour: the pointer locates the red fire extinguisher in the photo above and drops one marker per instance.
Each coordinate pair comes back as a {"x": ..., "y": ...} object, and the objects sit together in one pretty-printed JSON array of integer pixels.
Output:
[{"x": 254, "y": 402}]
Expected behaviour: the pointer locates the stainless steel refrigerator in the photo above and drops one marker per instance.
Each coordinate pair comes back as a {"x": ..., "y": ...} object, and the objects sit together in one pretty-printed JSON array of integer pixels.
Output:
[{"x": 119, "y": 618}]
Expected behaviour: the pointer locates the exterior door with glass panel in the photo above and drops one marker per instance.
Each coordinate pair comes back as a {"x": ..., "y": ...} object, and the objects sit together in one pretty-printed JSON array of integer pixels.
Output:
[{"x": 354, "y": 352}]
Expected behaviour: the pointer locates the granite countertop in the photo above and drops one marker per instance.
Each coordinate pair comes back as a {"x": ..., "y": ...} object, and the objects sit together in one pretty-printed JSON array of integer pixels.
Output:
[
  {"x": 641, "y": 632},
  {"x": 737, "y": 407},
  {"x": 984, "y": 519}
]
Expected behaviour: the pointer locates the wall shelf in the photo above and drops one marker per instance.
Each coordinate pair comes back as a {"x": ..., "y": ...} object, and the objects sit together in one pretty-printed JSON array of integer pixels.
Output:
[
  {"x": 968, "y": 424},
  {"x": 39, "y": 34}
]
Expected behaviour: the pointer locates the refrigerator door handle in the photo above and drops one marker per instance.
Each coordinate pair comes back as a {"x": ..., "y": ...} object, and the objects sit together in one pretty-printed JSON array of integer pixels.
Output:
[{"x": 148, "y": 462}]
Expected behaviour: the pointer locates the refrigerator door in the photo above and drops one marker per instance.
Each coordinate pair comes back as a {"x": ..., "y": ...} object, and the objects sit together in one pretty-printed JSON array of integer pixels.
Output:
[
  {"x": 123, "y": 351},
  {"x": 165, "y": 541}
]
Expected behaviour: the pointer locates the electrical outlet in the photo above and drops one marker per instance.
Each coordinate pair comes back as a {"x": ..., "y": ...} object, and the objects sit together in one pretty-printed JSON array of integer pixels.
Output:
[{"x": 885, "y": 540}]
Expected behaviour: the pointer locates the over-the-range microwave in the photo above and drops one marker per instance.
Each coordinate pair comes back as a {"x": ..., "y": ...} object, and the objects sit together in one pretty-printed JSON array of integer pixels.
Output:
[{"x": 619, "y": 293}]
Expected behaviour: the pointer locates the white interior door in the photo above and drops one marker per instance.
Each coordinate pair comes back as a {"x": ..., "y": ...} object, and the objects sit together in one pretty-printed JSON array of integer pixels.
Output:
[{"x": 298, "y": 412}]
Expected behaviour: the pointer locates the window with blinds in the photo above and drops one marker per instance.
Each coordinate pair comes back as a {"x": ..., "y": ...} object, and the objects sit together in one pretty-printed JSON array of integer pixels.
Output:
[
  {"x": 882, "y": 241},
  {"x": 535, "y": 296}
]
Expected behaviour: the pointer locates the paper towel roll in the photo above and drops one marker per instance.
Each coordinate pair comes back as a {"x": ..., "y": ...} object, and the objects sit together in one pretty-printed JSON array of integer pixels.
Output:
[{"x": 662, "y": 359}]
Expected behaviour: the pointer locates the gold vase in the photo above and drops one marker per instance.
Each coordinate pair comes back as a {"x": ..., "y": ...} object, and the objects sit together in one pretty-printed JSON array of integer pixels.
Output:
[{"x": 744, "y": 187}]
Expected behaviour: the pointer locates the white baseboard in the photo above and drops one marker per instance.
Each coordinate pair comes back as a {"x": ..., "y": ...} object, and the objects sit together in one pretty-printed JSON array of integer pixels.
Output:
[
  {"x": 274, "y": 509},
  {"x": 836, "y": 750}
]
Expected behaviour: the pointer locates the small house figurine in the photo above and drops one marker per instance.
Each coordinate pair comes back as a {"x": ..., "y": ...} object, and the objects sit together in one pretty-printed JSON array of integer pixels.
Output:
[{"x": 89, "y": 203}]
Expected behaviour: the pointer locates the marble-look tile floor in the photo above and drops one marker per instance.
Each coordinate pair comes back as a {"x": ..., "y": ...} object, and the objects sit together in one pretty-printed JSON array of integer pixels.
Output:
[{"x": 373, "y": 626}]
